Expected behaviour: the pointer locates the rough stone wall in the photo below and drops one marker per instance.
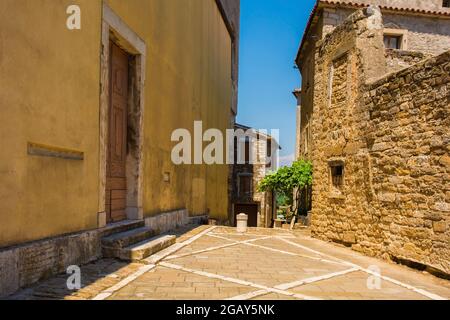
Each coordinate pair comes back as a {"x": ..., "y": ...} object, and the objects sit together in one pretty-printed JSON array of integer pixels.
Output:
[
  {"x": 424, "y": 34},
  {"x": 400, "y": 59},
  {"x": 168, "y": 221},
  {"x": 337, "y": 214},
  {"x": 409, "y": 132},
  {"x": 391, "y": 135},
  {"x": 24, "y": 265}
]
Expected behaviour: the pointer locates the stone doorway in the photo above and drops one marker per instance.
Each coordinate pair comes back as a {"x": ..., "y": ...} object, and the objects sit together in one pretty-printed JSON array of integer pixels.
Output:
[
  {"x": 116, "y": 173},
  {"x": 127, "y": 195}
]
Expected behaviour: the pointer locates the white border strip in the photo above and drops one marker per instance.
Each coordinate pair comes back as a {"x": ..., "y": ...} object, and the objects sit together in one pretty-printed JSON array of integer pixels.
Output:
[
  {"x": 154, "y": 259},
  {"x": 162, "y": 254},
  {"x": 294, "y": 284},
  {"x": 250, "y": 295},
  {"x": 399, "y": 283},
  {"x": 407, "y": 286},
  {"x": 238, "y": 234},
  {"x": 237, "y": 281},
  {"x": 240, "y": 242},
  {"x": 291, "y": 253},
  {"x": 176, "y": 256},
  {"x": 110, "y": 291}
]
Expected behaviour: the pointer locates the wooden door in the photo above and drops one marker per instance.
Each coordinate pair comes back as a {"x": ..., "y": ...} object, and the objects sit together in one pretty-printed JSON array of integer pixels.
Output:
[
  {"x": 116, "y": 184},
  {"x": 249, "y": 209}
]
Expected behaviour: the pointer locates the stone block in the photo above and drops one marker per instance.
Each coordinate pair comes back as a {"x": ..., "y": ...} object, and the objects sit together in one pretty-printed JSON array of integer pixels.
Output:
[
  {"x": 439, "y": 226},
  {"x": 445, "y": 161},
  {"x": 101, "y": 219},
  {"x": 349, "y": 237},
  {"x": 9, "y": 275},
  {"x": 387, "y": 197},
  {"x": 442, "y": 206}
]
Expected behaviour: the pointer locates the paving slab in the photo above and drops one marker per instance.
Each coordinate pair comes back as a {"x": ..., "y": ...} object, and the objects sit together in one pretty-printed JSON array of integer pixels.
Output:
[{"x": 262, "y": 264}]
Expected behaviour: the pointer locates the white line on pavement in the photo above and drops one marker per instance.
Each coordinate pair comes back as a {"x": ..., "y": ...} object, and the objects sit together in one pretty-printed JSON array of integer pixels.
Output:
[
  {"x": 238, "y": 234},
  {"x": 176, "y": 247},
  {"x": 248, "y": 242},
  {"x": 291, "y": 285},
  {"x": 110, "y": 291},
  {"x": 318, "y": 252},
  {"x": 294, "y": 284},
  {"x": 237, "y": 281},
  {"x": 176, "y": 256},
  {"x": 248, "y": 296},
  {"x": 404, "y": 285},
  {"x": 234, "y": 243},
  {"x": 399, "y": 283},
  {"x": 242, "y": 242}
]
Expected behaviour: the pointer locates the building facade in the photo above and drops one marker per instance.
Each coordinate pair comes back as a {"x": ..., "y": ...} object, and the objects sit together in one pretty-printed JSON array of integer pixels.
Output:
[
  {"x": 255, "y": 156},
  {"x": 374, "y": 108},
  {"x": 91, "y": 92}
]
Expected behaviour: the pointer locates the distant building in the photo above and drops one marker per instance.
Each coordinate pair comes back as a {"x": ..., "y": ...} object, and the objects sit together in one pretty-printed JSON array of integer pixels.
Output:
[
  {"x": 374, "y": 120},
  {"x": 258, "y": 159}
]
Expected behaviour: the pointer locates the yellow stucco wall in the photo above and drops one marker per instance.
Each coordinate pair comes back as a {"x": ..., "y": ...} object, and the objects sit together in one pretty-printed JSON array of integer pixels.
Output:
[{"x": 49, "y": 93}]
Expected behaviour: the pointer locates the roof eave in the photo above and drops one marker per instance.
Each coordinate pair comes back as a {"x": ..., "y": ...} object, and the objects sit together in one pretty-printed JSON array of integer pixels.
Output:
[{"x": 327, "y": 4}]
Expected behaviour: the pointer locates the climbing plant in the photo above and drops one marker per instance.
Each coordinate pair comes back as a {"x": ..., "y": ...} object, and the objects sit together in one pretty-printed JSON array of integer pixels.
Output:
[{"x": 288, "y": 181}]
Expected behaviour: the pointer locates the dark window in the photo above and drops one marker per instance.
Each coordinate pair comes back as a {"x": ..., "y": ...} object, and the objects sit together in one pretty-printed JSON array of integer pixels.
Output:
[
  {"x": 238, "y": 156},
  {"x": 269, "y": 153},
  {"x": 337, "y": 176},
  {"x": 245, "y": 186},
  {"x": 236, "y": 147},
  {"x": 392, "y": 42},
  {"x": 247, "y": 151},
  {"x": 446, "y": 3}
]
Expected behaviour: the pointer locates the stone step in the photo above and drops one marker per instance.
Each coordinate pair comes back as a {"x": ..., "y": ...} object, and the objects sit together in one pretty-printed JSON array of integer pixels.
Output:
[
  {"x": 112, "y": 244},
  {"x": 144, "y": 249},
  {"x": 118, "y": 227}
]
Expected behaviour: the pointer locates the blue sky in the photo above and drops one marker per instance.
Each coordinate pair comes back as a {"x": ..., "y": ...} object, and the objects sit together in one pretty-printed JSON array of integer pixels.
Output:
[{"x": 271, "y": 31}]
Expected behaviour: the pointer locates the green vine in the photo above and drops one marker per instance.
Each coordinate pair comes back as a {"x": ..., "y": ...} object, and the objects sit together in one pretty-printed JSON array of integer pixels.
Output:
[{"x": 289, "y": 180}]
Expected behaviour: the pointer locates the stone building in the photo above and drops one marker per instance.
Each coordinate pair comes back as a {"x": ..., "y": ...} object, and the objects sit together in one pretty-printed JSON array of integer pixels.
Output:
[
  {"x": 91, "y": 92},
  {"x": 255, "y": 156},
  {"x": 374, "y": 119}
]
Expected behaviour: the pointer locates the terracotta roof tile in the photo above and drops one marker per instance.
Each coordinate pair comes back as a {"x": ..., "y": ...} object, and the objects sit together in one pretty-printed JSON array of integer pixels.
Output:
[{"x": 362, "y": 5}]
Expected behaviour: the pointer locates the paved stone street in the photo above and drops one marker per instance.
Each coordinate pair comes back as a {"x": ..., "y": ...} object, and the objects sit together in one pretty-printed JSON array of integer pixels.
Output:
[{"x": 217, "y": 263}]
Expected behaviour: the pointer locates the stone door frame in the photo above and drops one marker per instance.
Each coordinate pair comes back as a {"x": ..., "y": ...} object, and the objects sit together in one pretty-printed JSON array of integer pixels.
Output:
[{"x": 115, "y": 29}]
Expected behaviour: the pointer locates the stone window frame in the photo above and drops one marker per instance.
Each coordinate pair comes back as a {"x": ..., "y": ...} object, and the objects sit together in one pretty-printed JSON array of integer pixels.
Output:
[
  {"x": 331, "y": 69},
  {"x": 306, "y": 137},
  {"x": 334, "y": 191},
  {"x": 116, "y": 30},
  {"x": 402, "y": 33},
  {"x": 247, "y": 175}
]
